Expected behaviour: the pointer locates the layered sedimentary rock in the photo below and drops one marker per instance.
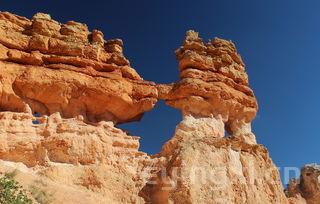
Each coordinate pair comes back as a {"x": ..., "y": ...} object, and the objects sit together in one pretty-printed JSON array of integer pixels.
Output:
[
  {"x": 63, "y": 88},
  {"x": 77, "y": 162},
  {"x": 212, "y": 82},
  {"x": 307, "y": 188},
  {"x": 203, "y": 167},
  {"x": 52, "y": 67}
]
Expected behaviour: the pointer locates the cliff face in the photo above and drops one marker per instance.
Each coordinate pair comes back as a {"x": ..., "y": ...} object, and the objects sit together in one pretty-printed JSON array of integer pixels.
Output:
[
  {"x": 53, "y": 67},
  {"x": 63, "y": 88},
  {"x": 205, "y": 167},
  {"x": 77, "y": 162}
]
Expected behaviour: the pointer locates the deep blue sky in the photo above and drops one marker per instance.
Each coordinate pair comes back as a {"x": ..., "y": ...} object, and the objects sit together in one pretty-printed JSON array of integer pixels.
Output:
[{"x": 278, "y": 40}]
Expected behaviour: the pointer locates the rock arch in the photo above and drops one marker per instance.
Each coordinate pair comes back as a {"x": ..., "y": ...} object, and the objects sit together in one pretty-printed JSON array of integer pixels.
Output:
[{"x": 83, "y": 85}]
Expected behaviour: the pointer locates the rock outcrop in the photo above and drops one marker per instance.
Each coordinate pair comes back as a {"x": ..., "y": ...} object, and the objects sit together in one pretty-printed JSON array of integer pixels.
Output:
[
  {"x": 213, "y": 82},
  {"x": 307, "y": 188},
  {"x": 71, "y": 156},
  {"x": 53, "y": 67},
  {"x": 203, "y": 167},
  {"x": 63, "y": 88}
]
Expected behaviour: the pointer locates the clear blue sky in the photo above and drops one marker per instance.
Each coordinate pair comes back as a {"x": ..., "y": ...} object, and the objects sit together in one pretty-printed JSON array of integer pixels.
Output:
[{"x": 278, "y": 40}]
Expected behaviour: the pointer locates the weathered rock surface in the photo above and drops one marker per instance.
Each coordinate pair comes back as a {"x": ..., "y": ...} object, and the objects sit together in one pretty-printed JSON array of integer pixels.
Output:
[
  {"x": 84, "y": 158},
  {"x": 82, "y": 85},
  {"x": 212, "y": 81},
  {"x": 64, "y": 68},
  {"x": 203, "y": 167},
  {"x": 307, "y": 188}
]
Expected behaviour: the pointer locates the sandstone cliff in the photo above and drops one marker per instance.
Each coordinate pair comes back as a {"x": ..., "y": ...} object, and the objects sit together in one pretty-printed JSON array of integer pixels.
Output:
[
  {"x": 53, "y": 67},
  {"x": 63, "y": 88}
]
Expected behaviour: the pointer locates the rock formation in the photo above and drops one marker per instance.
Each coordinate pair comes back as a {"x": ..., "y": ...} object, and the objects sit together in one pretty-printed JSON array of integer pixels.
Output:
[
  {"x": 307, "y": 188},
  {"x": 213, "y": 82},
  {"x": 202, "y": 165},
  {"x": 95, "y": 163},
  {"x": 63, "y": 88},
  {"x": 53, "y": 67}
]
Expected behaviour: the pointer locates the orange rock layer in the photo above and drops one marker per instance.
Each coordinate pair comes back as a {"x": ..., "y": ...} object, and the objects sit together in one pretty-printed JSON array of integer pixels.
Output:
[
  {"x": 53, "y": 67},
  {"x": 213, "y": 81}
]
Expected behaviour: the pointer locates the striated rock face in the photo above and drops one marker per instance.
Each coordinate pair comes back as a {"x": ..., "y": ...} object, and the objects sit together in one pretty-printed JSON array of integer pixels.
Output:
[
  {"x": 71, "y": 156},
  {"x": 212, "y": 81},
  {"x": 203, "y": 167},
  {"x": 62, "y": 90},
  {"x": 61, "y": 140},
  {"x": 307, "y": 188},
  {"x": 53, "y": 67}
]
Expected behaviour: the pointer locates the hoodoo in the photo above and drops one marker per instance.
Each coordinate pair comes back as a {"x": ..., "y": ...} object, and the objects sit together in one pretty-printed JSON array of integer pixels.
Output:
[
  {"x": 213, "y": 83},
  {"x": 202, "y": 165}
]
